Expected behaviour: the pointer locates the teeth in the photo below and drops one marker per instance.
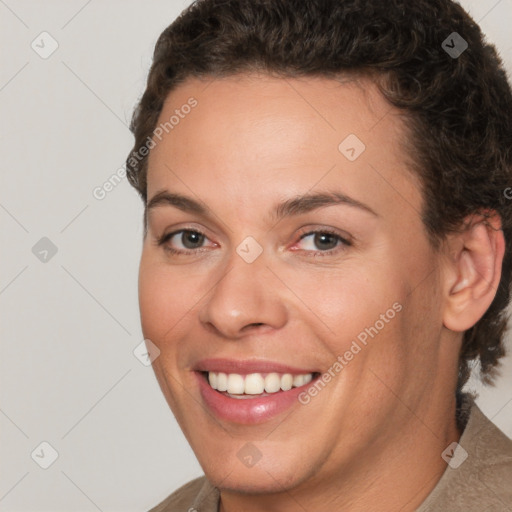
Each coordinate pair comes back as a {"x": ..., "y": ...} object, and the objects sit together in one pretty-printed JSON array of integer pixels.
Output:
[
  {"x": 286, "y": 382},
  {"x": 272, "y": 383},
  {"x": 235, "y": 384},
  {"x": 298, "y": 380},
  {"x": 222, "y": 381},
  {"x": 213, "y": 380},
  {"x": 256, "y": 383}
]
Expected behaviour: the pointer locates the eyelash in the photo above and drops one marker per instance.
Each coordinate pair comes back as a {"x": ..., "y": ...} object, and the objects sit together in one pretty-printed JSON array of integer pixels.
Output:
[{"x": 345, "y": 243}]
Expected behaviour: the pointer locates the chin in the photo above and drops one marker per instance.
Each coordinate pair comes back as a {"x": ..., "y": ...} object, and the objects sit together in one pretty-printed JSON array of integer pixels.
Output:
[
  {"x": 259, "y": 479},
  {"x": 250, "y": 485}
]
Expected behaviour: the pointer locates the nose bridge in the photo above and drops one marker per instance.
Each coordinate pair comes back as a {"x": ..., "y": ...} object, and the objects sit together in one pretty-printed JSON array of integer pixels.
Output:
[{"x": 243, "y": 295}]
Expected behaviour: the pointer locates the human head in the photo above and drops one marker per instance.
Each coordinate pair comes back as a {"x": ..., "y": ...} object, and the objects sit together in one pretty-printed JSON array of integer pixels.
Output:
[{"x": 459, "y": 109}]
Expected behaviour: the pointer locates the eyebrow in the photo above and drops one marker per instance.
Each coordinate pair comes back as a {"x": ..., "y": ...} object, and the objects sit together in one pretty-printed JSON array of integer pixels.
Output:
[{"x": 287, "y": 208}]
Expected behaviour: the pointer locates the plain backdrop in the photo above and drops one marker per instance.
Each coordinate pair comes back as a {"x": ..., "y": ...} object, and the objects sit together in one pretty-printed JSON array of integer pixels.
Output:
[{"x": 69, "y": 261}]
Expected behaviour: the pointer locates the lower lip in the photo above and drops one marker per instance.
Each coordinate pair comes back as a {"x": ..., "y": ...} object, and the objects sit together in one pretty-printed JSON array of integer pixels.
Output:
[{"x": 248, "y": 411}]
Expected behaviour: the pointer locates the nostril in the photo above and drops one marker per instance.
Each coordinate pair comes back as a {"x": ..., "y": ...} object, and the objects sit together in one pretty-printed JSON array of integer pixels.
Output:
[
  {"x": 250, "y": 327},
  {"x": 254, "y": 324}
]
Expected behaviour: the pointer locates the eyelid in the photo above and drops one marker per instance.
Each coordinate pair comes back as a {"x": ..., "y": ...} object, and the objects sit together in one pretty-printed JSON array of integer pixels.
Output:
[
  {"x": 345, "y": 239},
  {"x": 163, "y": 239},
  {"x": 313, "y": 230}
]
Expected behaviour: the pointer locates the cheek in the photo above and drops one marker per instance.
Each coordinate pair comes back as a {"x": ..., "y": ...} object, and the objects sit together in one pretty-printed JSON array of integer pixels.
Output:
[
  {"x": 345, "y": 302},
  {"x": 161, "y": 301}
]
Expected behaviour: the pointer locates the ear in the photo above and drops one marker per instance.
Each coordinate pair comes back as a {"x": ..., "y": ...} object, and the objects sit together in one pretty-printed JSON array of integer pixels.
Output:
[{"x": 473, "y": 270}]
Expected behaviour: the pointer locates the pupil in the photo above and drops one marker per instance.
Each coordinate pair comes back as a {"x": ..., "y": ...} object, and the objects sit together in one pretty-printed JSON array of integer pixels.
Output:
[
  {"x": 196, "y": 238},
  {"x": 320, "y": 239}
]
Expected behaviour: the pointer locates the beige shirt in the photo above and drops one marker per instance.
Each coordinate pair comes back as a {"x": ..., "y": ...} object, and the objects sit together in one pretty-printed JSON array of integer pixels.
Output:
[{"x": 481, "y": 483}]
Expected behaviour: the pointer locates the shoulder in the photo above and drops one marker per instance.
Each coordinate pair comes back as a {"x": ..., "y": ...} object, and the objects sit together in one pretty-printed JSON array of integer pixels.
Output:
[
  {"x": 184, "y": 498},
  {"x": 492, "y": 451},
  {"x": 479, "y": 476}
]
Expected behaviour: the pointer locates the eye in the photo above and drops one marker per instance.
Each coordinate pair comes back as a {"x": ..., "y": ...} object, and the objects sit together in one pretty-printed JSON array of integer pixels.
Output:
[
  {"x": 321, "y": 242},
  {"x": 326, "y": 241},
  {"x": 184, "y": 241}
]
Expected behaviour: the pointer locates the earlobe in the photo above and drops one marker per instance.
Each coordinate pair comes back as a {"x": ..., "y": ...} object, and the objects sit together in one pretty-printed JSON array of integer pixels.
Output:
[{"x": 477, "y": 270}]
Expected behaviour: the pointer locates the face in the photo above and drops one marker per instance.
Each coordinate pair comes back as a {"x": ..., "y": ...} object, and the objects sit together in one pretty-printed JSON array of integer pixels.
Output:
[{"x": 253, "y": 276}]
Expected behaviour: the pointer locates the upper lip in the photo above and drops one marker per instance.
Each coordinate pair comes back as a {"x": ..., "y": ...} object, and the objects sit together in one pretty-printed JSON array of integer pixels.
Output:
[{"x": 246, "y": 366}]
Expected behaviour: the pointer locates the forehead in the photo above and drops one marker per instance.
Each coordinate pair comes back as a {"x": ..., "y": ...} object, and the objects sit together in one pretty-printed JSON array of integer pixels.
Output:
[{"x": 257, "y": 139}]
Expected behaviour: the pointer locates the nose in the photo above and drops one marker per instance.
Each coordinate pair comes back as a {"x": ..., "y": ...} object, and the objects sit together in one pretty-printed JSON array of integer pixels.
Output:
[{"x": 244, "y": 298}]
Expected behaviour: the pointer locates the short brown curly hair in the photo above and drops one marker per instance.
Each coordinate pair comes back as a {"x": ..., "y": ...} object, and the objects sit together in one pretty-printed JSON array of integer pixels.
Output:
[{"x": 459, "y": 106}]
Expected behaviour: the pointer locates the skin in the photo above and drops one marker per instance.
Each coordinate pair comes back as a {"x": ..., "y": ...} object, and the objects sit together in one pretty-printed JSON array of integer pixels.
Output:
[{"x": 373, "y": 437}]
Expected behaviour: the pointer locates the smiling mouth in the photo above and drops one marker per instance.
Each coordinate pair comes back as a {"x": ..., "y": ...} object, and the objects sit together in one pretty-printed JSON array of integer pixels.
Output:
[{"x": 255, "y": 385}]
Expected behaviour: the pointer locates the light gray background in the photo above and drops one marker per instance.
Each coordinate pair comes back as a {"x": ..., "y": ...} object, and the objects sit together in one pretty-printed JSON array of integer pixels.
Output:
[{"x": 69, "y": 326}]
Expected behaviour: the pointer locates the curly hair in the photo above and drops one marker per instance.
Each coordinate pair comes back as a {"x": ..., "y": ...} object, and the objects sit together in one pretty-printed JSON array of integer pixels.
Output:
[{"x": 459, "y": 106}]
